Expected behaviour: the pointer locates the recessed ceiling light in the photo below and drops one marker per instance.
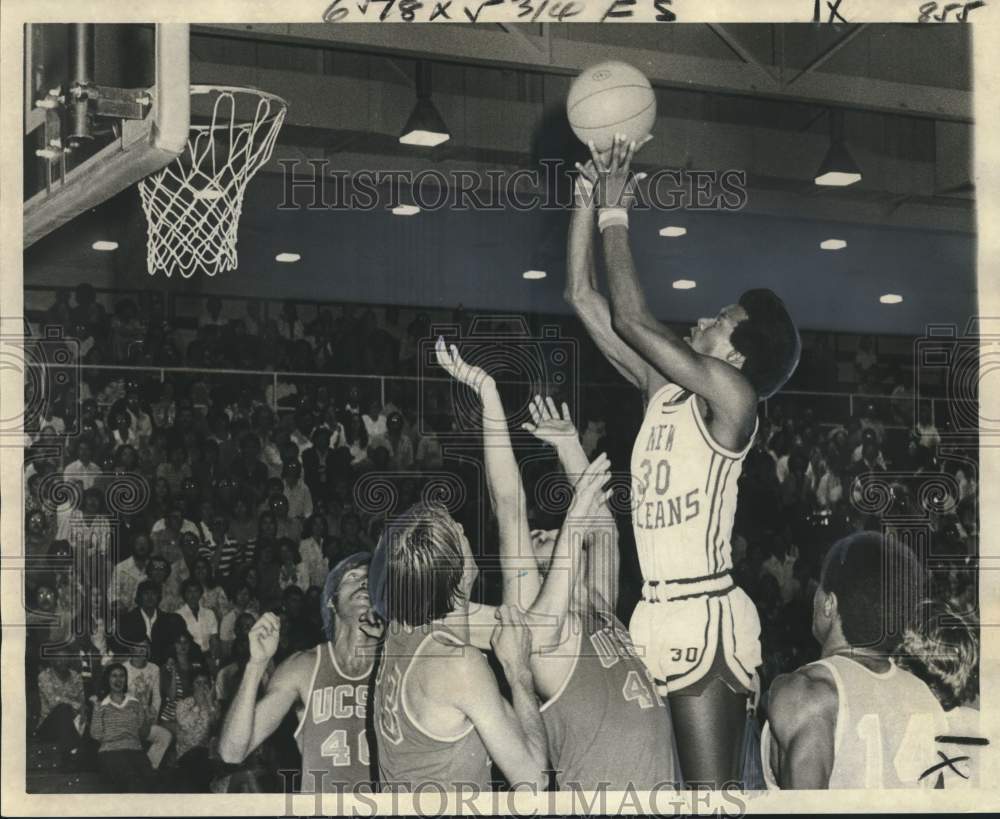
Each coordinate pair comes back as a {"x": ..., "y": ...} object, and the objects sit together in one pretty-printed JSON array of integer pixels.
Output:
[
  {"x": 287, "y": 257},
  {"x": 684, "y": 284},
  {"x": 673, "y": 231},
  {"x": 104, "y": 245},
  {"x": 405, "y": 210},
  {"x": 890, "y": 298},
  {"x": 533, "y": 274},
  {"x": 833, "y": 244}
]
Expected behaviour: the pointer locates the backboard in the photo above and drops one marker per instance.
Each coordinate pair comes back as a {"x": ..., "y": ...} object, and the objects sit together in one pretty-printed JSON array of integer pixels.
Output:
[{"x": 105, "y": 105}]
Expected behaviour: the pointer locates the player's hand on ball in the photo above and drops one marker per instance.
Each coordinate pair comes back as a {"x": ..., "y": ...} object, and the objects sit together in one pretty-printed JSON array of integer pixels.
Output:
[
  {"x": 589, "y": 493},
  {"x": 547, "y": 424},
  {"x": 615, "y": 183},
  {"x": 457, "y": 368},
  {"x": 511, "y": 639},
  {"x": 264, "y": 637}
]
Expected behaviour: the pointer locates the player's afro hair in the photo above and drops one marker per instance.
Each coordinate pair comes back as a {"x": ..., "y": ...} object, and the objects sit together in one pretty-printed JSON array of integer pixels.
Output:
[
  {"x": 769, "y": 341},
  {"x": 878, "y": 584}
]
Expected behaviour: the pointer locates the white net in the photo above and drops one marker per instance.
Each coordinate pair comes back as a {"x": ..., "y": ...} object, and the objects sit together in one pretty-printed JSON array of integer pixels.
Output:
[{"x": 193, "y": 205}]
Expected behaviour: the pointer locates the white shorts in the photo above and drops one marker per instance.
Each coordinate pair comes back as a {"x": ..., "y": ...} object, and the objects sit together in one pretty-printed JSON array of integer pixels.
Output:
[{"x": 679, "y": 638}]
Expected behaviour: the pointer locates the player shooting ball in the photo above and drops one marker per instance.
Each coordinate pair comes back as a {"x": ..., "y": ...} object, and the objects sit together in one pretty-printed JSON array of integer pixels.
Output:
[{"x": 698, "y": 631}]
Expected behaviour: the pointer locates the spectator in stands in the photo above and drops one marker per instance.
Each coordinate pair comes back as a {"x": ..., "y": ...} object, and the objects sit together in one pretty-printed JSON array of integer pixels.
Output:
[
  {"x": 357, "y": 439},
  {"x": 61, "y": 701},
  {"x": 869, "y": 451},
  {"x": 352, "y": 404},
  {"x": 353, "y": 538},
  {"x": 319, "y": 463},
  {"x": 138, "y": 412},
  {"x": 242, "y": 528},
  {"x": 290, "y": 327},
  {"x": 176, "y": 469},
  {"x": 197, "y": 716},
  {"x": 126, "y": 459},
  {"x": 314, "y": 533},
  {"x": 870, "y": 420},
  {"x": 202, "y": 624},
  {"x": 122, "y": 432},
  {"x": 830, "y": 488},
  {"x": 129, "y": 573},
  {"x": 374, "y": 421},
  {"x": 925, "y": 432},
  {"x": 968, "y": 486},
  {"x": 285, "y": 526},
  {"x": 168, "y": 531},
  {"x": 212, "y": 316},
  {"x": 148, "y": 621},
  {"x": 214, "y": 597},
  {"x": 87, "y": 529},
  {"x": 164, "y": 409},
  {"x": 83, "y": 470},
  {"x": 120, "y": 724},
  {"x": 183, "y": 661},
  {"x": 38, "y": 534},
  {"x": 247, "y": 469},
  {"x": 161, "y": 501},
  {"x": 293, "y": 570},
  {"x": 296, "y": 492},
  {"x": 399, "y": 445},
  {"x": 219, "y": 549},
  {"x": 144, "y": 685}
]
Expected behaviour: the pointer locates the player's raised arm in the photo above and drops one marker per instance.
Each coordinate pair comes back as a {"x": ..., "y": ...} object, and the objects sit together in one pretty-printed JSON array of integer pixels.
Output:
[
  {"x": 558, "y": 430},
  {"x": 720, "y": 383},
  {"x": 553, "y": 601},
  {"x": 581, "y": 290},
  {"x": 521, "y": 580},
  {"x": 249, "y": 721},
  {"x": 514, "y": 736}
]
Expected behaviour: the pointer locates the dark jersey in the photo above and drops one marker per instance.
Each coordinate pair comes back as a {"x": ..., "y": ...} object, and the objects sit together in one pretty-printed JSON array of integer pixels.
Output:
[
  {"x": 411, "y": 754},
  {"x": 607, "y": 724},
  {"x": 332, "y": 732}
]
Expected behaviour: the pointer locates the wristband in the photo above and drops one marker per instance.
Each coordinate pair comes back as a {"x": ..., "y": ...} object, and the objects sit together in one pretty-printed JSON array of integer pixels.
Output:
[{"x": 607, "y": 217}]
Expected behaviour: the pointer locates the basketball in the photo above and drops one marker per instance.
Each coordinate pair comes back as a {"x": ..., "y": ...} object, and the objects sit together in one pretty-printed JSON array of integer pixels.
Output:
[{"x": 610, "y": 98}]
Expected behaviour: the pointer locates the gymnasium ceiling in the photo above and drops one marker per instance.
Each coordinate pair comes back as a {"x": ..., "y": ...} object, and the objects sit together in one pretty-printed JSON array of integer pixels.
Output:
[{"x": 754, "y": 98}]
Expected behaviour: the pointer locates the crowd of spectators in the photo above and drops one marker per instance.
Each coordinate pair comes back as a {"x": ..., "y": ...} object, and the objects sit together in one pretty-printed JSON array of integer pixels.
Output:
[{"x": 163, "y": 516}]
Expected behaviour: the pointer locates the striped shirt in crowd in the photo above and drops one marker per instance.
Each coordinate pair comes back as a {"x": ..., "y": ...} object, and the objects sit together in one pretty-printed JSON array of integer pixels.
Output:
[
  {"x": 232, "y": 552},
  {"x": 119, "y": 726}
]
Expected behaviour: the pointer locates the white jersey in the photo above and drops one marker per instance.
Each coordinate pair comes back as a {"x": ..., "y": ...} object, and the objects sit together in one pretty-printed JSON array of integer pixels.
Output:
[
  {"x": 888, "y": 731},
  {"x": 684, "y": 491}
]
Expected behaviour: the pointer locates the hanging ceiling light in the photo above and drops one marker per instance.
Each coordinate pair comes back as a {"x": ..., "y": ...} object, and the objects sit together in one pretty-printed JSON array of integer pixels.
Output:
[
  {"x": 838, "y": 167},
  {"x": 425, "y": 127}
]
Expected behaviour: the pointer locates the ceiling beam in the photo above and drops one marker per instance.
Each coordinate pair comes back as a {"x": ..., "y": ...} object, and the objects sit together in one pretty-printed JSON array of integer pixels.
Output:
[
  {"x": 497, "y": 47},
  {"x": 825, "y": 55},
  {"x": 740, "y": 51}
]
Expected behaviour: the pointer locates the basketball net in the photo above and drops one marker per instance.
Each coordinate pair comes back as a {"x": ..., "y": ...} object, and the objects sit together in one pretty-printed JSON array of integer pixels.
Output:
[{"x": 193, "y": 205}]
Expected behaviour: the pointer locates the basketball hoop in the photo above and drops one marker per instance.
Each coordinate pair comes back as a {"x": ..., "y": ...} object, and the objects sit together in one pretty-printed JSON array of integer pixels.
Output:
[{"x": 193, "y": 205}]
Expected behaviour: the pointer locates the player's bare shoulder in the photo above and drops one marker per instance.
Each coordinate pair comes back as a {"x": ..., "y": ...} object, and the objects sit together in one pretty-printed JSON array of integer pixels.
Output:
[
  {"x": 296, "y": 671},
  {"x": 807, "y": 696}
]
